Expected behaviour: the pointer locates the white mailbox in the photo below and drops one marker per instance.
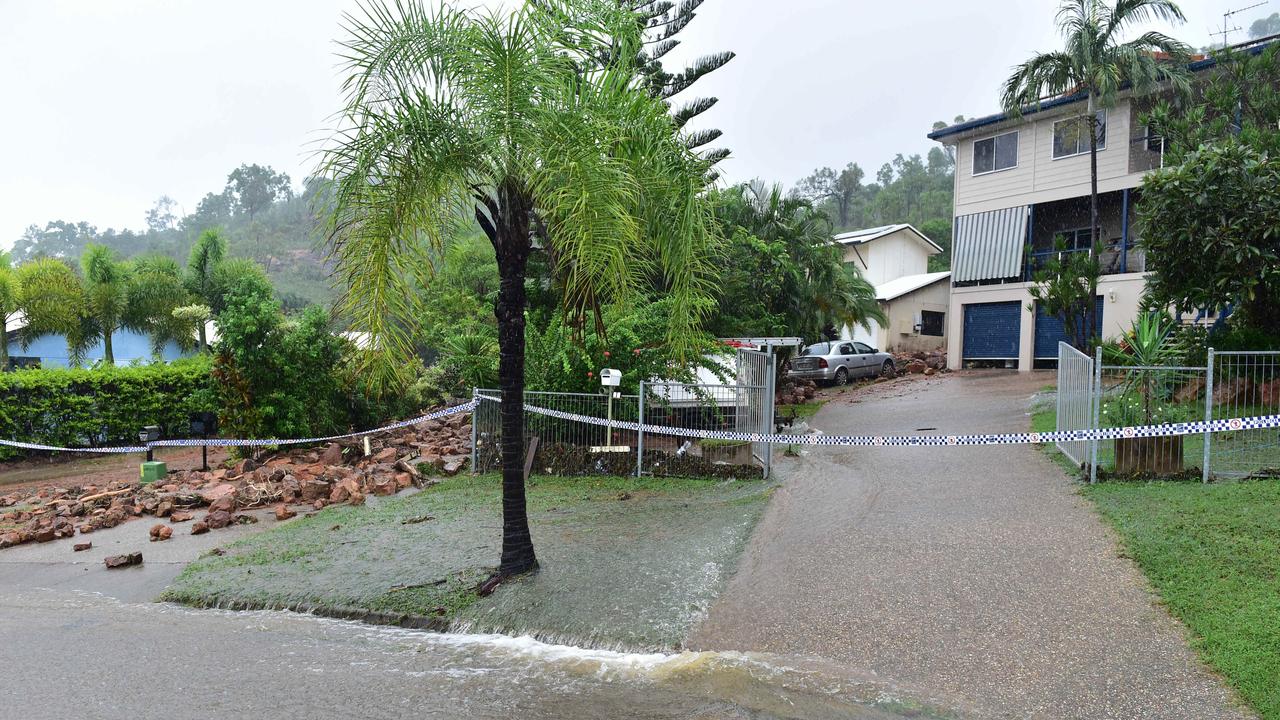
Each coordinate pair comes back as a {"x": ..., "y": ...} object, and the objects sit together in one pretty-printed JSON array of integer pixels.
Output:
[{"x": 610, "y": 377}]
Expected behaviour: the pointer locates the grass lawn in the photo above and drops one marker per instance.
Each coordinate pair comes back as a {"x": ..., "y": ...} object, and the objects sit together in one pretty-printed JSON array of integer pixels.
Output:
[
  {"x": 803, "y": 410},
  {"x": 625, "y": 562},
  {"x": 1213, "y": 555}
]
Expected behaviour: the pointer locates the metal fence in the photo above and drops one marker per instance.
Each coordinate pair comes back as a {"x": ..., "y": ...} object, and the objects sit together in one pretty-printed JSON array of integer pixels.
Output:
[
  {"x": 1074, "y": 400},
  {"x": 569, "y": 447},
  {"x": 1244, "y": 384},
  {"x": 1229, "y": 385}
]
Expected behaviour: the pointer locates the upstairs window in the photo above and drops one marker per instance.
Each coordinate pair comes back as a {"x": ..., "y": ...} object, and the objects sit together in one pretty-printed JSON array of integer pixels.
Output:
[
  {"x": 1071, "y": 136},
  {"x": 995, "y": 153},
  {"x": 1155, "y": 143},
  {"x": 1078, "y": 240}
]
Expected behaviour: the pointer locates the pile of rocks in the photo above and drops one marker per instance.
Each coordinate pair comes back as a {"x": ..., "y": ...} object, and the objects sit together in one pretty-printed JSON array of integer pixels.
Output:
[
  {"x": 793, "y": 390},
  {"x": 338, "y": 473},
  {"x": 921, "y": 362}
]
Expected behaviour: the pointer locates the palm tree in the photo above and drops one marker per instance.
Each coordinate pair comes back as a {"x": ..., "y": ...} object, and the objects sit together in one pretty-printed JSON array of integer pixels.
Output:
[
  {"x": 106, "y": 297},
  {"x": 509, "y": 118},
  {"x": 819, "y": 290},
  {"x": 10, "y": 305},
  {"x": 155, "y": 292},
  {"x": 201, "y": 279},
  {"x": 1096, "y": 63},
  {"x": 51, "y": 296}
]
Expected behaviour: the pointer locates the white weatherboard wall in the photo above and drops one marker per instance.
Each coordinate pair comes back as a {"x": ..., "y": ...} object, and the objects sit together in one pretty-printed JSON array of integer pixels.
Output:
[
  {"x": 904, "y": 312},
  {"x": 1121, "y": 299},
  {"x": 1038, "y": 177}
]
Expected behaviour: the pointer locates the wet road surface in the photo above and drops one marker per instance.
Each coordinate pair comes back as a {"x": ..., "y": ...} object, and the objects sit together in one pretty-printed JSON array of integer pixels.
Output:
[{"x": 977, "y": 574}]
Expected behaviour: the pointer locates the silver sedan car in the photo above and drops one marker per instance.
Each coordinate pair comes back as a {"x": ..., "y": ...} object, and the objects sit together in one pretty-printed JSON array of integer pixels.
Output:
[{"x": 841, "y": 361}]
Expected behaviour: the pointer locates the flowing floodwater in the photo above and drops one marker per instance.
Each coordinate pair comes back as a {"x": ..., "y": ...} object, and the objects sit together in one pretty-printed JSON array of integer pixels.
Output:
[{"x": 84, "y": 655}]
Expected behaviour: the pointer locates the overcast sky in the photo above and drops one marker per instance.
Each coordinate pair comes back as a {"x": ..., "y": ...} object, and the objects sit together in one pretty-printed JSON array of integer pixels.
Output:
[{"x": 110, "y": 105}]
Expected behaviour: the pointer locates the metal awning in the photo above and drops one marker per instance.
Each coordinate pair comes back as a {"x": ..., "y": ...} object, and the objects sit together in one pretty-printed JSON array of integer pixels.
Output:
[{"x": 989, "y": 245}]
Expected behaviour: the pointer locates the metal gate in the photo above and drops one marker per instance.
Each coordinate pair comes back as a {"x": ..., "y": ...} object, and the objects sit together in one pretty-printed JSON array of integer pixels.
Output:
[
  {"x": 1243, "y": 384},
  {"x": 1074, "y": 400}
]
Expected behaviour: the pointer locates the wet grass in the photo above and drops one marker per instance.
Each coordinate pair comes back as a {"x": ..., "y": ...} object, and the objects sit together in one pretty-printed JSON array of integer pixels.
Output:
[
  {"x": 624, "y": 562},
  {"x": 1212, "y": 553},
  {"x": 803, "y": 410}
]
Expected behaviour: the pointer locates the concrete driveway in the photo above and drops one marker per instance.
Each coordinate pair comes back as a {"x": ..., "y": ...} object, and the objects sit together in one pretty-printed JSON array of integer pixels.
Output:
[{"x": 976, "y": 575}]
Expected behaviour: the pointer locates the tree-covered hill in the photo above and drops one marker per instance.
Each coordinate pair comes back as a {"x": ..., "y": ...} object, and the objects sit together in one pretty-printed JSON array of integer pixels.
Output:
[{"x": 259, "y": 211}]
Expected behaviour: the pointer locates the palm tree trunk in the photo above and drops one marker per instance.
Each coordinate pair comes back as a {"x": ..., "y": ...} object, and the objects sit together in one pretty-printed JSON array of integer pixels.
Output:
[
  {"x": 4, "y": 347},
  {"x": 512, "y": 247},
  {"x": 1090, "y": 303},
  {"x": 108, "y": 356},
  {"x": 204, "y": 340}
]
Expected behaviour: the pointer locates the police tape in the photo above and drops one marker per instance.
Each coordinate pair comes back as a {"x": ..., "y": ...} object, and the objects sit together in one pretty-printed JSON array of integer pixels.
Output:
[
  {"x": 224, "y": 442},
  {"x": 1262, "y": 422}
]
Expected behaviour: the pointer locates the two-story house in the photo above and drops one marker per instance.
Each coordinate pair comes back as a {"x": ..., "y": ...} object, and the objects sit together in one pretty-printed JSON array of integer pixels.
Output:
[
  {"x": 895, "y": 260},
  {"x": 1021, "y": 187}
]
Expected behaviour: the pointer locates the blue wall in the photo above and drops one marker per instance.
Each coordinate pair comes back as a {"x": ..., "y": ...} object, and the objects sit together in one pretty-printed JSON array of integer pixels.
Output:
[{"x": 126, "y": 345}]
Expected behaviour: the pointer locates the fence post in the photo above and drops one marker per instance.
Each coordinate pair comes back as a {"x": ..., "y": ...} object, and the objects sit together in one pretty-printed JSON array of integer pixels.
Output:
[
  {"x": 1208, "y": 414},
  {"x": 475, "y": 423},
  {"x": 1097, "y": 415},
  {"x": 770, "y": 390},
  {"x": 640, "y": 436},
  {"x": 1057, "y": 395}
]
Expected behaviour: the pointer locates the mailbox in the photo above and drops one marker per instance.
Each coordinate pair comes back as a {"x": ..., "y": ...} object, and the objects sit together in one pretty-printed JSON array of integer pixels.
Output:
[
  {"x": 149, "y": 433},
  {"x": 610, "y": 377}
]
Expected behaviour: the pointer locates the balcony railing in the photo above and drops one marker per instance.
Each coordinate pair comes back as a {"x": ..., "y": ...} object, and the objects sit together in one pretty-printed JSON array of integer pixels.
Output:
[{"x": 1110, "y": 260}]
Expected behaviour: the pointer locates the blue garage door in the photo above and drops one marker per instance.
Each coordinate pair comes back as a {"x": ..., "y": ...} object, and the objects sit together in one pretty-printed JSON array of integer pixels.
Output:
[
  {"x": 991, "y": 330},
  {"x": 1049, "y": 331}
]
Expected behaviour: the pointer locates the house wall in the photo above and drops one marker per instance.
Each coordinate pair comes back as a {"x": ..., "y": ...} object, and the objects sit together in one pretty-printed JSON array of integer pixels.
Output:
[
  {"x": 1122, "y": 296},
  {"x": 1038, "y": 177},
  {"x": 127, "y": 346},
  {"x": 901, "y": 335},
  {"x": 890, "y": 257}
]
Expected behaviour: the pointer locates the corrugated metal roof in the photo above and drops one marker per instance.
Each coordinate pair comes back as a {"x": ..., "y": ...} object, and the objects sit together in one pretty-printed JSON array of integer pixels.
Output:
[
  {"x": 866, "y": 235},
  {"x": 988, "y": 246},
  {"x": 898, "y": 287}
]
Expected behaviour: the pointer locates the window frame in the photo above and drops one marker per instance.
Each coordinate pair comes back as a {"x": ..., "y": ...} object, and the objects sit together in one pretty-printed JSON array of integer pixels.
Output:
[
  {"x": 942, "y": 323},
  {"x": 1074, "y": 234},
  {"x": 973, "y": 154},
  {"x": 1053, "y": 131}
]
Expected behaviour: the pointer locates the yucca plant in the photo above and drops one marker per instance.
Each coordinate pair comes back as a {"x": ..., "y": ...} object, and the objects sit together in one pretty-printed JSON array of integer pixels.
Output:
[{"x": 510, "y": 118}]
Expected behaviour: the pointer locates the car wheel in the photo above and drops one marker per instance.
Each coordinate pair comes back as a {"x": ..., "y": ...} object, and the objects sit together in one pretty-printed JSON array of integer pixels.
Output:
[
  {"x": 842, "y": 376},
  {"x": 888, "y": 369}
]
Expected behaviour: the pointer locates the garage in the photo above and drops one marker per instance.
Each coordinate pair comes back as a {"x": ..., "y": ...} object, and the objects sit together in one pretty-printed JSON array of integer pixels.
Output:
[
  {"x": 991, "y": 330},
  {"x": 1049, "y": 332}
]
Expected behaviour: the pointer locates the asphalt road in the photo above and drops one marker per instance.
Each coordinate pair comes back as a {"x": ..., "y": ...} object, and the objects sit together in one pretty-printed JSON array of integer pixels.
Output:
[{"x": 976, "y": 574}]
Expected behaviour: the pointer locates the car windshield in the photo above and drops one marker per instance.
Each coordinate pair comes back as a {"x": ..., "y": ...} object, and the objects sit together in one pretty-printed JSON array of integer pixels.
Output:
[{"x": 816, "y": 349}]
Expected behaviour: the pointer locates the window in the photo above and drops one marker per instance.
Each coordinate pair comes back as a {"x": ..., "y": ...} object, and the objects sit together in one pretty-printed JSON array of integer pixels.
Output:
[
  {"x": 863, "y": 349},
  {"x": 1071, "y": 136},
  {"x": 995, "y": 153},
  {"x": 816, "y": 349},
  {"x": 931, "y": 322},
  {"x": 1080, "y": 239}
]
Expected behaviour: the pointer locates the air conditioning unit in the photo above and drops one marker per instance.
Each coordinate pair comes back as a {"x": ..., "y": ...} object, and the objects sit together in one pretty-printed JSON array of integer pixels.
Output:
[{"x": 904, "y": 326}]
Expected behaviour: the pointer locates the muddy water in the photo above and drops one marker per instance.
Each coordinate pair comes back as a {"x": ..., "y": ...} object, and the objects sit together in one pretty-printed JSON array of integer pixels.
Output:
[{"x": 81, "y": 655}]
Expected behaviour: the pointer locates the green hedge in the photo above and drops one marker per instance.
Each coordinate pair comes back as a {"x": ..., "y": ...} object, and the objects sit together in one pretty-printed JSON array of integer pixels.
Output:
[{"x": 79, "y": 408}]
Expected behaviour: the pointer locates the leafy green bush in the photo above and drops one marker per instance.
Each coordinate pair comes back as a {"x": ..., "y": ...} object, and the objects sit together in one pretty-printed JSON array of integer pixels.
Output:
[
  {"x": 277, "y": 378},
  {"x": 636, "y": 345},
  {"x": 108, "y": 406}
]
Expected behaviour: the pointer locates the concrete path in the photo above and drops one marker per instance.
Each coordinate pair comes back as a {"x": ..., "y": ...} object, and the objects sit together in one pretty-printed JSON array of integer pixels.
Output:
[{"x": 974, "y": 574}]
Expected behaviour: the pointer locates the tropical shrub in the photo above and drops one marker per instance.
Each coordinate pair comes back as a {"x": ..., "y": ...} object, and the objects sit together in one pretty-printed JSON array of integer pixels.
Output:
[
  {"x": 277, "y": 378},
  {"x": 96, "y": 408}
]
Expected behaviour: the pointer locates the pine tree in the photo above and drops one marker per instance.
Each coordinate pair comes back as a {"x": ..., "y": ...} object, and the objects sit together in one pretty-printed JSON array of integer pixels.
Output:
[{"x": 662, "y": 21}]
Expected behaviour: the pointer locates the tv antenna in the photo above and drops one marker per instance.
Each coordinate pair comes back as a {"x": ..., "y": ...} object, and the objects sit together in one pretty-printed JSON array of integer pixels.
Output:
[{"x": 1228, "y": 25}]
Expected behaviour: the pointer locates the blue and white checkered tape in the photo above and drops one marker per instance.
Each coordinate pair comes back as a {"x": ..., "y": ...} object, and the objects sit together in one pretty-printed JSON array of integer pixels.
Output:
[{"x": 1262, "y": 422}]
